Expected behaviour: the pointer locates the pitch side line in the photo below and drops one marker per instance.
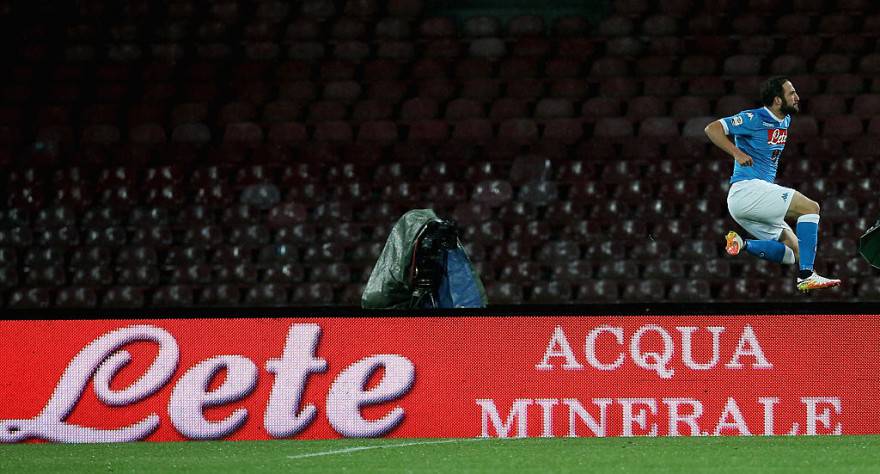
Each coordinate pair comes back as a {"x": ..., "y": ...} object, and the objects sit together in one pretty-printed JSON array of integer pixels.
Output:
[{"x": 381, "y": 446}]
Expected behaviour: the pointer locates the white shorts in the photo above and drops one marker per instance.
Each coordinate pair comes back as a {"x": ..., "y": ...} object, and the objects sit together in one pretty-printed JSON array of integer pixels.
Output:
[{"x": 760, "y": 207}]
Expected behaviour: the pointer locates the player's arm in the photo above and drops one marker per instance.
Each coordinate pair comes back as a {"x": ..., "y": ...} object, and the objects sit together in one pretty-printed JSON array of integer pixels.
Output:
[{"x": 716, "y": 133}]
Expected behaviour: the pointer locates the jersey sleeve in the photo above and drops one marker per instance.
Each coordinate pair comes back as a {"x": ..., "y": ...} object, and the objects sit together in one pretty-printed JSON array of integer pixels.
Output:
[{"x": 743, "y": 123}]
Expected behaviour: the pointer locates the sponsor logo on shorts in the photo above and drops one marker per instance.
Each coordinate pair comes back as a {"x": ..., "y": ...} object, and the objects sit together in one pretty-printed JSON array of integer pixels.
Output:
[{"x": 785, "y": 197}]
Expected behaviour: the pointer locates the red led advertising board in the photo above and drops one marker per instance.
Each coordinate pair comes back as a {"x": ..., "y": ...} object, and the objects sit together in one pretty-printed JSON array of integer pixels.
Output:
[{"x": 432, "y": 377}]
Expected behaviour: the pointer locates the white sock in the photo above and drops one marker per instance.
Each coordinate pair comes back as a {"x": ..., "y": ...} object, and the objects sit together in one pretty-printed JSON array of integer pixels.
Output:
[{"x": 788, "y": 259}]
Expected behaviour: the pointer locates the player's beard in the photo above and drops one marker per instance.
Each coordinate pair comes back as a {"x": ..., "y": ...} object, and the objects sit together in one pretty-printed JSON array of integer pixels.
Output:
[{"x": 789, "y": 108}]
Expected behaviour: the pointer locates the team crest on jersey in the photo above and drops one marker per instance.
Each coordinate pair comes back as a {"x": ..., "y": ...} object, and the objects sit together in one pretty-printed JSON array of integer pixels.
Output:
[
  {"x": 749, "y": 115},
  {"x": 737, "y": 120},
  {"x": 777, "y": 136}
]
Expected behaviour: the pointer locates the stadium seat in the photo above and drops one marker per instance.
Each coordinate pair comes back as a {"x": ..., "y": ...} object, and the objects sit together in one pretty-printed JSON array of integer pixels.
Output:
[
  {"x": 793, "y": 23},
  {"x": 840, "y": 208},
  {"x": 613, "y": 127},
  {"x": 393, "y": 28},
  {"x": 30, "y": 298},
  {"x": 504, "y": 293},
  {"x": 573, "y": 271},
  {"x": 624, "y": 46},
  {"x": 378, "y": 131},
  {"x": 644, "y": 290},
  {"x": 558, "y": 252},
  {"x": 667, "y": 269},
  {"x": 520, "y": 68},
  {"x": 528, "y": 168},
  {"x": 660, "y": 128},
  {"x": 832, "y": 63},
  {"x": 281, "y": 111},
  {"x": 474, "y": 68},
  {"x": 76, "y": 297},
  {"x": 567, "y": 26},
  {"x": 371, "y": 110},
  {"x": 517, "y": 211},
  {"x": 438, "y": 27},
  {"x": 596, "y": 107},
  {"x": 788, "y": 64},
  {"x": 508, "y": 108},
  {"x": 482, "y": 26},
  {"x": 706, "y": 86},
  {"x": 690, "y": 290},
  {"x": 846, "y": 84},
  {"x": 697, "y": 250},
  {"x": 331, "y": 273},
  {"x": 746, "y": 85},
  {"x": 741, "y": 290},
  {"x": 836, "y": 24},
  {"x": 520, "y": 272},
  {"x": 715, "y": 268},
  {"x": 492, "y": 48},
  {"x": 429, "y": 68},
  {"x": 742, "y": 65},
  {"x": 866, "y": 106},
  {"x": 827, "y": 105},
  {"x": 526, "y": 89},
  {"x": 603, "y": 291},
  {"x": 619, "y": 87},
  {"x": 623, "y": 269},
  {"x": 856, "y": 267},
  {"x": 850, "y": 43},
  {"x": 558, "y": 68},
  {"x": 698, "y": 65},
  {"x": 550, "y": 293},
  {"x": 685, "y": 107},
  {"x": 661, "y": 46},
  {"x": 519, "y": 131},
  {"x": 660, "y": 25},
  {"x": 172, "y": 296},
  {"x": 123, "y": 297},
  {"x": 642, "y": 107},
  {"x": 616, "y": 25},
  {"x": 525, "y": 25},
  {"x": 861, "y": 189},
  {"x": 433, "y": 131},
  {"x": 869, "y": 289},
  {"x": 869, "y": 64},
  {"x": 404, "y": 8},
  {"x": 311, "y": 294},
  {"x": 461, "y": 109}
]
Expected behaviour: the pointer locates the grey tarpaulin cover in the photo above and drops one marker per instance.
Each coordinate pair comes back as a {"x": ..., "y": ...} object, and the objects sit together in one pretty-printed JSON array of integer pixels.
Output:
[{"x": 389, "y": 284}]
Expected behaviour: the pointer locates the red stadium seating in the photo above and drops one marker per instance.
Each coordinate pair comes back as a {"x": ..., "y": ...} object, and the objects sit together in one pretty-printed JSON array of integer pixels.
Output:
[{"x": 560, "y": 145}]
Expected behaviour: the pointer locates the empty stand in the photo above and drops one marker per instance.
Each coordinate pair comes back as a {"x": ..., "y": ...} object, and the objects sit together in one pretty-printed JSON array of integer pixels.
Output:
[{"x": 257, "y": 154}]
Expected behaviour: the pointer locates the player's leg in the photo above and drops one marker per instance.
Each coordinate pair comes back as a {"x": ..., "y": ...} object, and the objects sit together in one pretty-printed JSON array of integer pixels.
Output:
[
  {"x": 790, "y": 240},
  {"x": 800, "y": 206},
  {"x": 777, "y": 250},
  {"x": 806, "y": 211}
]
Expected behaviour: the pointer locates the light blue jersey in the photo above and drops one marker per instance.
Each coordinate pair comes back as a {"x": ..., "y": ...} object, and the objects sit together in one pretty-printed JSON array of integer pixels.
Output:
[{"x": 759, "y": 134}]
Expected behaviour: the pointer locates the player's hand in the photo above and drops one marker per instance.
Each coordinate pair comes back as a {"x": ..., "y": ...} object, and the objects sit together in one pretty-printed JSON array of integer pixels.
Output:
[{"x": 742, "y": 158}]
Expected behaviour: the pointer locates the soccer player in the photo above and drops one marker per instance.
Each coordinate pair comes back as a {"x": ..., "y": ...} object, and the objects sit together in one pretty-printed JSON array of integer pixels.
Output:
[{"x": 758, "y": 204}]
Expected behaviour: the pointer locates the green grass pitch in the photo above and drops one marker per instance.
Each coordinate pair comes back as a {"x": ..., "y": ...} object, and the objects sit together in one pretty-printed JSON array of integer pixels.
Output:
[{"x": 825, "y": 454}]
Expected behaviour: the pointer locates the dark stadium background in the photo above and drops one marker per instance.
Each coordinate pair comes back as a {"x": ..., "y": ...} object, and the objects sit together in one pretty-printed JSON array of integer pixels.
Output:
[{"x": 257, "y": 153}]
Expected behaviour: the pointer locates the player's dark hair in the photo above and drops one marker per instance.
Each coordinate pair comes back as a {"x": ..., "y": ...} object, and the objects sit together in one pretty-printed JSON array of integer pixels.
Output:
[{"x": 772, "y": 88}]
